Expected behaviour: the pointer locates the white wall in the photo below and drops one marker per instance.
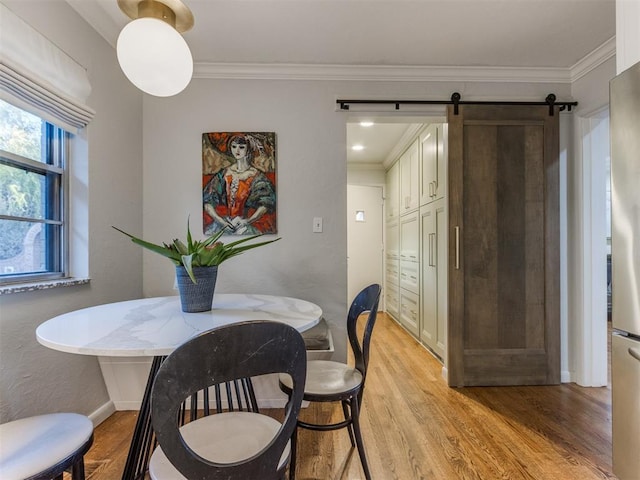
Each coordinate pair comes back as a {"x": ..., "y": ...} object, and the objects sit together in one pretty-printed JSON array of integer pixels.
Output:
[
  {"x": 106, "y": 185},
  {"x": 627, "y": 33},
  {"x": 311, "y": 182},
  {"x": 592, "y": 90},
  {"x": 362, "y": 175}
]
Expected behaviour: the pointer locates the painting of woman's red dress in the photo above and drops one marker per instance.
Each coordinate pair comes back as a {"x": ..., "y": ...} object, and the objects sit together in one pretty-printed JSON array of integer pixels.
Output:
[{"x": 239, "y": 182}]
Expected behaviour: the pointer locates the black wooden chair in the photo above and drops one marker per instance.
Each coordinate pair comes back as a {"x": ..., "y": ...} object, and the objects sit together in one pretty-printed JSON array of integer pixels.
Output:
[
  {"x": 329, "y": 381},
  {"x": 43, "y": 447},
  {"x": 234, "y": 445}
]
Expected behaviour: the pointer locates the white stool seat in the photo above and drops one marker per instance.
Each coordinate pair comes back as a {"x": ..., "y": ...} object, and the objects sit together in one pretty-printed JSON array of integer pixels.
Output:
[
  {"x": 221, "y": 438},
  {"x": 32, "y": 445},
  {"x": 325, "y": 377}
]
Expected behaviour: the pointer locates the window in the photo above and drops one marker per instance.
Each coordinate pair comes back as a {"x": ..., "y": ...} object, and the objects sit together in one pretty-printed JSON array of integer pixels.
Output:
[{"x": 32, "y": 195}]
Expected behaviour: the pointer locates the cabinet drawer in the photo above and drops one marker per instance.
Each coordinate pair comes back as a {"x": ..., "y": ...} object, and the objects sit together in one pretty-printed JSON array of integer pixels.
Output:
[
  {"x": 392, "y": 304},
  {"x": 392, "y": 272},
  {"x": 409, "y": 276},
  {"x": 409, "y": 311}
]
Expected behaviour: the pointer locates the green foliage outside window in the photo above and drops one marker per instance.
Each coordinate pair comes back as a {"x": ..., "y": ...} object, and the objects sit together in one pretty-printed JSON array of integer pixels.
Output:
[
  {"x": 20, "y": 132},
  {"x": 20, "y": 190}
]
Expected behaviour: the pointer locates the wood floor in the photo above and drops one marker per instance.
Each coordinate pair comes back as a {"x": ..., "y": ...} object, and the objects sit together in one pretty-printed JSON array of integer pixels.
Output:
[{"x": 415, "y": 427}]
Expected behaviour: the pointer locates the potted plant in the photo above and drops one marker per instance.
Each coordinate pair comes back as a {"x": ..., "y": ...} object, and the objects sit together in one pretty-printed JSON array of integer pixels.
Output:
[{"x": 197, "y": 263}]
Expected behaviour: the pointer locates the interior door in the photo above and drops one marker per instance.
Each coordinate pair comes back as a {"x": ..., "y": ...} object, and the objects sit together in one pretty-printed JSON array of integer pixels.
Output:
[
  {"x": 504, "y": 261},
  {"x": 364, "y": 237}
]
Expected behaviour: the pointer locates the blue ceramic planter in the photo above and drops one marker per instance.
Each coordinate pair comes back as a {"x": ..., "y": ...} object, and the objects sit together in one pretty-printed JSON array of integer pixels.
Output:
[{"x": 196, "y": 297}]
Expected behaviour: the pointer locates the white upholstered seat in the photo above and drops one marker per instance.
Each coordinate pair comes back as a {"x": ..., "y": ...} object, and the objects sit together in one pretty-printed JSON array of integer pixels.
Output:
[
  {"x": 223, "y": 438},
  {"x": 325, "y": 377},
  {"x": 44, "y": 445}
]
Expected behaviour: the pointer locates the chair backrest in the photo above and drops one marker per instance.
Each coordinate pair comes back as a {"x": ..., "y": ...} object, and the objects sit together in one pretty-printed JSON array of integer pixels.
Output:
[
  {"x": 223, "y": 354},
  {"x": 366, "y": 301}
]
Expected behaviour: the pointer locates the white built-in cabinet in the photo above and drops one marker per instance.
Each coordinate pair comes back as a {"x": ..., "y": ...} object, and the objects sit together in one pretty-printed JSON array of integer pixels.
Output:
[{"x": 416, "y": 238}]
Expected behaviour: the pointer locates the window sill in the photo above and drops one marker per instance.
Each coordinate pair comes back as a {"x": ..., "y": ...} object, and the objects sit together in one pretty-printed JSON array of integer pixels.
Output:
[{"x": 43, "y": 285}]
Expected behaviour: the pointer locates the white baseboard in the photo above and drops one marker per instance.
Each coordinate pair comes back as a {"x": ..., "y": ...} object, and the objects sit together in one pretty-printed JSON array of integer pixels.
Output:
[{"x": 101, "y": 414}]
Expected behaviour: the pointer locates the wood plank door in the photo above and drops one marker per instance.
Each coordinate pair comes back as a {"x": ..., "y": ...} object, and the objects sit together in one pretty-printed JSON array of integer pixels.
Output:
[{"x": 504, "y": 274}]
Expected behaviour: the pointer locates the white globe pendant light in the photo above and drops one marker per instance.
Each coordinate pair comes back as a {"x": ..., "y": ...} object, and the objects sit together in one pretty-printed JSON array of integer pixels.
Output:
[{"x": 151, "y": 52}]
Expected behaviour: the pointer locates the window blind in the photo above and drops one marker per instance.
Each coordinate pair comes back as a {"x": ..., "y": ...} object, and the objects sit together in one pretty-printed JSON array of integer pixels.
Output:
[{"x": 39, "y": 77}]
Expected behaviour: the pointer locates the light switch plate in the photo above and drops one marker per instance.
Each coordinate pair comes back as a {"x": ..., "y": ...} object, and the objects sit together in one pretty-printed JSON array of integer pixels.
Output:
[{"x": 317, "y": 224}]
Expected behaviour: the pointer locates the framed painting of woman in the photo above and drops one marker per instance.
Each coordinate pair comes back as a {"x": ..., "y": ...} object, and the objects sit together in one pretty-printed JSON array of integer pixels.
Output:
[{"x": 239, "y": 182}]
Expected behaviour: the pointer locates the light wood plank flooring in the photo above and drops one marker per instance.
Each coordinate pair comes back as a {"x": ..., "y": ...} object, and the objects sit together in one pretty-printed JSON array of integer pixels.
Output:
[{"x": 415, "y": 427}]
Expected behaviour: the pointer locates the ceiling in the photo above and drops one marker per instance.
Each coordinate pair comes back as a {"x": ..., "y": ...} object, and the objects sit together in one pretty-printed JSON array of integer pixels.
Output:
[{"x": 530, "y": 34}]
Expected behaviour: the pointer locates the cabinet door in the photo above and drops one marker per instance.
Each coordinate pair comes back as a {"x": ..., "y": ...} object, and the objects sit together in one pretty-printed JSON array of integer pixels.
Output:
[
  {"x": 442, "y": 267},
  {"x": 428, "y": 164},
  {"x": 433, "y": 163},
  {"x": 409, "y": 237},
  {"x": 392, "y": 200},
  {"x": 441, "y": 162},
  {"x": 429, "y": 274},
  {"x": 392, "y": 247},
  {"x": 433, "y": 295},
  {"x": 409, "y": 311},
  {"x": 409, "y": 162}
]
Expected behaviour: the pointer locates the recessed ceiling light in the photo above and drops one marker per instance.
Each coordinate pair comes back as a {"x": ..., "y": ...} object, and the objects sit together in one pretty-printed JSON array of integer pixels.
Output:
[
  {"x": 357, "y": 147},
  {"x": 366, "y": 124}
]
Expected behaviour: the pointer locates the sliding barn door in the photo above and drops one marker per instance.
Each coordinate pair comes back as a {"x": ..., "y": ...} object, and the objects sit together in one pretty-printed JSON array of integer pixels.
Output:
[{"x": 504, "y": 262}]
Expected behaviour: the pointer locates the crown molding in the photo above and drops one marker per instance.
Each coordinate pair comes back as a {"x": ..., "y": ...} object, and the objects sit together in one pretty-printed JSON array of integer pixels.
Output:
[
  {"x": 255, "y": 71},
  {"x": 410, "y": 134},
  {"x": 594, "y": 59}
]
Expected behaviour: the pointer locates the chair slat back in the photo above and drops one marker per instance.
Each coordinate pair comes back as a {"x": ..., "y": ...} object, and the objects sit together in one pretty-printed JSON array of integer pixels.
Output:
[{"x": 221, "y": 355}]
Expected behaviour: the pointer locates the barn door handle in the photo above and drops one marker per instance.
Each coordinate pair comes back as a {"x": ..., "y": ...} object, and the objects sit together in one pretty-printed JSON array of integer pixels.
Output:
[{"x": 457, "y": 230}]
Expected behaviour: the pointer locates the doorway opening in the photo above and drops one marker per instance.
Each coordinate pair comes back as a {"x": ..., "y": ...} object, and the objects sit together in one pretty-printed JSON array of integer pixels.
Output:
[{"x": 374, "y": 143}]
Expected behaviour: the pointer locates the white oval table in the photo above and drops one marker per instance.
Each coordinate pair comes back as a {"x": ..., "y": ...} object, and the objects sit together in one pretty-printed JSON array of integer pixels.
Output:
[{"x": 155, "y": 327}]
